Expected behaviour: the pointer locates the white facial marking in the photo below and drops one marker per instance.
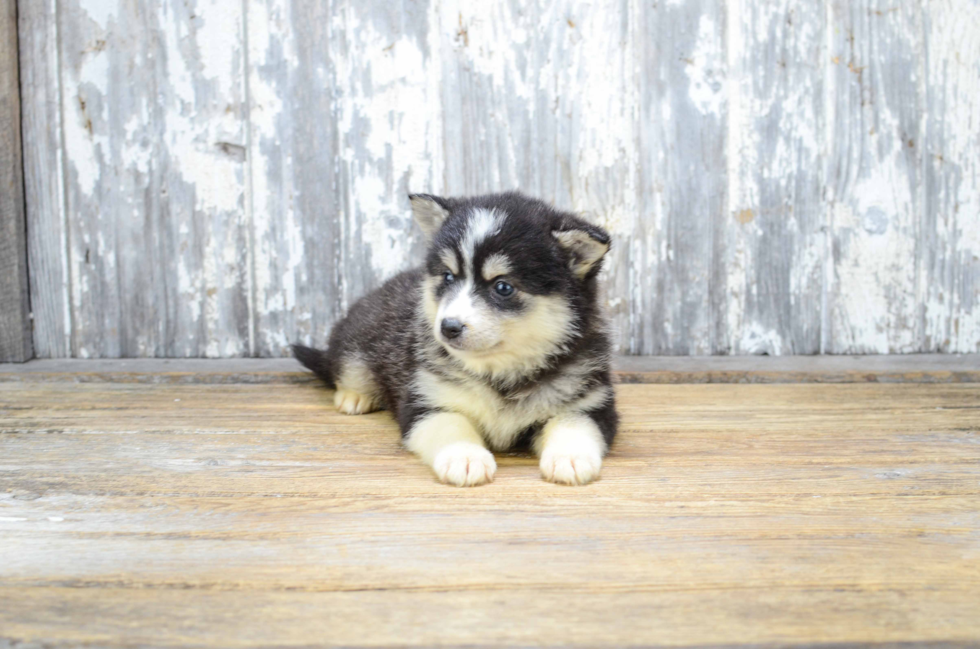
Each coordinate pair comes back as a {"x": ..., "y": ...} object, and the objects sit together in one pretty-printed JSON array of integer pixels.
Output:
[
  {"x": 496, "y": 265},
  {"x": 571, "y": 448},
  {"x": 481, "y": 326},
  {"x": 450, "y": 445},
  {"x": 483, "y": 223},
  {"x": 504, "y": 345},
  {"x": 526, "y": 341},
  {"x": 481, "y": 330}
]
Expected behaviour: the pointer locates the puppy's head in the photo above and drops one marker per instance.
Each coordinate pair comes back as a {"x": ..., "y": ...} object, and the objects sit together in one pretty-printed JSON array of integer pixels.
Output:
[{"x": 509, "y": 279}]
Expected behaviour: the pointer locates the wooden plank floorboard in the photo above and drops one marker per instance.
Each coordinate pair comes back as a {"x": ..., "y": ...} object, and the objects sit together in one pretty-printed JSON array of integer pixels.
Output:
[
  {"x": 907, "y": 368},
  {"x": 246, "y": 515}
]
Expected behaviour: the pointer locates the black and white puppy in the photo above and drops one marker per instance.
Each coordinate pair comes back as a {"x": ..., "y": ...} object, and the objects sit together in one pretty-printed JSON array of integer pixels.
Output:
[{"x": 497, "y": 342}]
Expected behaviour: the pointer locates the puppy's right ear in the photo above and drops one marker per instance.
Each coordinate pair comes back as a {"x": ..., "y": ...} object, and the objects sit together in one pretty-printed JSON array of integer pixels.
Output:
[{"x": 430, "y": 212}]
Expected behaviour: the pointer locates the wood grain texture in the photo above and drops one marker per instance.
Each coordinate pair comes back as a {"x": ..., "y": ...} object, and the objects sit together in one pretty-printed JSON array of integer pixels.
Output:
[
  {"x": 384, "y": 104},
  {"x": 15, "y": 307},
  {"x": 250, "y": 515},
  {"x": 779, "y": 178},
  {"x": 950, "y": 233},
  {"x": 773, "y": 239},
  {"x": 294, "y": 173},
  {"x": 677, "y": 275},
  {"x": 154, "y": 144},
  {"x": 44, "y": 191},
  {"x": 875, "y": 180}
]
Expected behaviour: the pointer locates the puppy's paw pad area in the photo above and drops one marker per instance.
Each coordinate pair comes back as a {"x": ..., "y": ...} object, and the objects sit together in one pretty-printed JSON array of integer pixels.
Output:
[
  {"x": 464, "y": 464},
  {"x": 569, "y": 469},
  {"x": 352, "y": 403}
]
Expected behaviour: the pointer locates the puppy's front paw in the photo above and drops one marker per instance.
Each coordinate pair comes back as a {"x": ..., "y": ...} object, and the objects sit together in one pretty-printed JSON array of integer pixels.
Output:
[
  {"x": 574, "y": 468},
  {"x": 464, "y": 464},
  {"x": 352, "y": 403}
]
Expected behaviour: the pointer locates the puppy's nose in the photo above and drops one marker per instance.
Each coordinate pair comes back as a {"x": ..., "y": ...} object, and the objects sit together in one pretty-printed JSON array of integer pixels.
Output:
[{"x": 451, "y": 328}]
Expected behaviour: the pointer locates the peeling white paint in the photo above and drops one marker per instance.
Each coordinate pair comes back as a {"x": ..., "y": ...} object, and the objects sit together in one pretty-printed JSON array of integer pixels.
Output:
[
  {"x": 491, "y": 37},
  {"x": 828, "y": 151},
  {"x": 952, "y": 295},
  {"x": 386, "y": 133},
  {"x": 707, "y": 68},
  {"x": 877, "y": 189},
  {"x": 278, "y": 258},
  {"x": 192, "y": 137},
  {"x": 86, "y": 143},
  {"x": 740, "y": 150},
  {"x": 757, "y": 340},
  {"x": 100, "y": 11}
]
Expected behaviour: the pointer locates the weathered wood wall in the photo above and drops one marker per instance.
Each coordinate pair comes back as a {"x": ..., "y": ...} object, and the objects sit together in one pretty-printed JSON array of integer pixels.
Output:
[
  {"x": 15, "y": 323},
  {"x": 223, "y": 178}
]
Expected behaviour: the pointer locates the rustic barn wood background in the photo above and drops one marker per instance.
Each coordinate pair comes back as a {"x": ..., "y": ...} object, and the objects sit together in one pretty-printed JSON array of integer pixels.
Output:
[
  {"x": 221, "y": 178},
  {"x": 15, "y": 323}
]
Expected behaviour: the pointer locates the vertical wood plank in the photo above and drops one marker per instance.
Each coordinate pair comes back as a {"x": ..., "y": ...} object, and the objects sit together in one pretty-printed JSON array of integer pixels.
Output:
[
  {"x": 593, "y": 100},
  {"x": 772, "y": 237},
  {"x": 152, "y": 106},
  {"x": 875, "y": 85},
  {"x": 493, "y": 58},
  {"x": 389, "y": 133},
  {"x": 15, "y": 308},
  {"x": 950, "y": 233},
  {"x": 345, "y": 124},
  {"x": 293, "y": 168},
  {"x": 47, "y": 233},
  {"x": 679, "y": 284}
]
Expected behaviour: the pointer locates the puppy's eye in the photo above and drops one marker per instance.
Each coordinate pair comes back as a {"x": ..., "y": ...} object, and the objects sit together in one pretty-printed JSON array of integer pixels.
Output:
[
  {"x": 448, "y": 277},
  {"x": 503, "y": 289}
]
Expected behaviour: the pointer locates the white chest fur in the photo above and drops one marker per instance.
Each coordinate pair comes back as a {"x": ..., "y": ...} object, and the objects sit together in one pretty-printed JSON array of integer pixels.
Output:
[{"x": 500, "y": 420}]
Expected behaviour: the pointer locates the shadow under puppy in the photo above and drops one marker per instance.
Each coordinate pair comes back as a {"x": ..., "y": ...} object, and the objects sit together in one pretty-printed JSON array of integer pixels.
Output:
[{"x": 498, "y": 341}]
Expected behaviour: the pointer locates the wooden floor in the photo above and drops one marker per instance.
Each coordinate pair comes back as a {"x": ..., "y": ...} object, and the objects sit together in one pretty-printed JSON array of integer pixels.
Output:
[{"x": 140, "y": 513}]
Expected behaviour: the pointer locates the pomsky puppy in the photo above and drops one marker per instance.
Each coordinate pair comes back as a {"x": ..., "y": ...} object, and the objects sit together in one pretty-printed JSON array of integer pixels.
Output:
[{"x": 497, "y": 342}]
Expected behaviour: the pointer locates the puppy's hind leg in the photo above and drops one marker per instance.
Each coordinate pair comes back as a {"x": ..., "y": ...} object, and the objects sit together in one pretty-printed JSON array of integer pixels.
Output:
[{"x": 357, "y": 392}]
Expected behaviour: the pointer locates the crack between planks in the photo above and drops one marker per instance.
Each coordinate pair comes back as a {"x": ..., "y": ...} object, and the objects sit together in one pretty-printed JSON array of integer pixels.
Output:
[
  {"x": 251, "y": 291},
  {"x": 66, "y": 273}
]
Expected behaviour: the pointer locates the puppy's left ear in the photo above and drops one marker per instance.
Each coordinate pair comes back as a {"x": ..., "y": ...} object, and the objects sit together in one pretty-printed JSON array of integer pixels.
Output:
[
  {"x": 586, "y": 245},
  {"x": 430, "y": 212}
]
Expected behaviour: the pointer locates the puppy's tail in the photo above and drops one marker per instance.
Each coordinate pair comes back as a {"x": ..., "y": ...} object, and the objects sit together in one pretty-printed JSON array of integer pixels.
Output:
[{"x": 317, "y": 360}]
